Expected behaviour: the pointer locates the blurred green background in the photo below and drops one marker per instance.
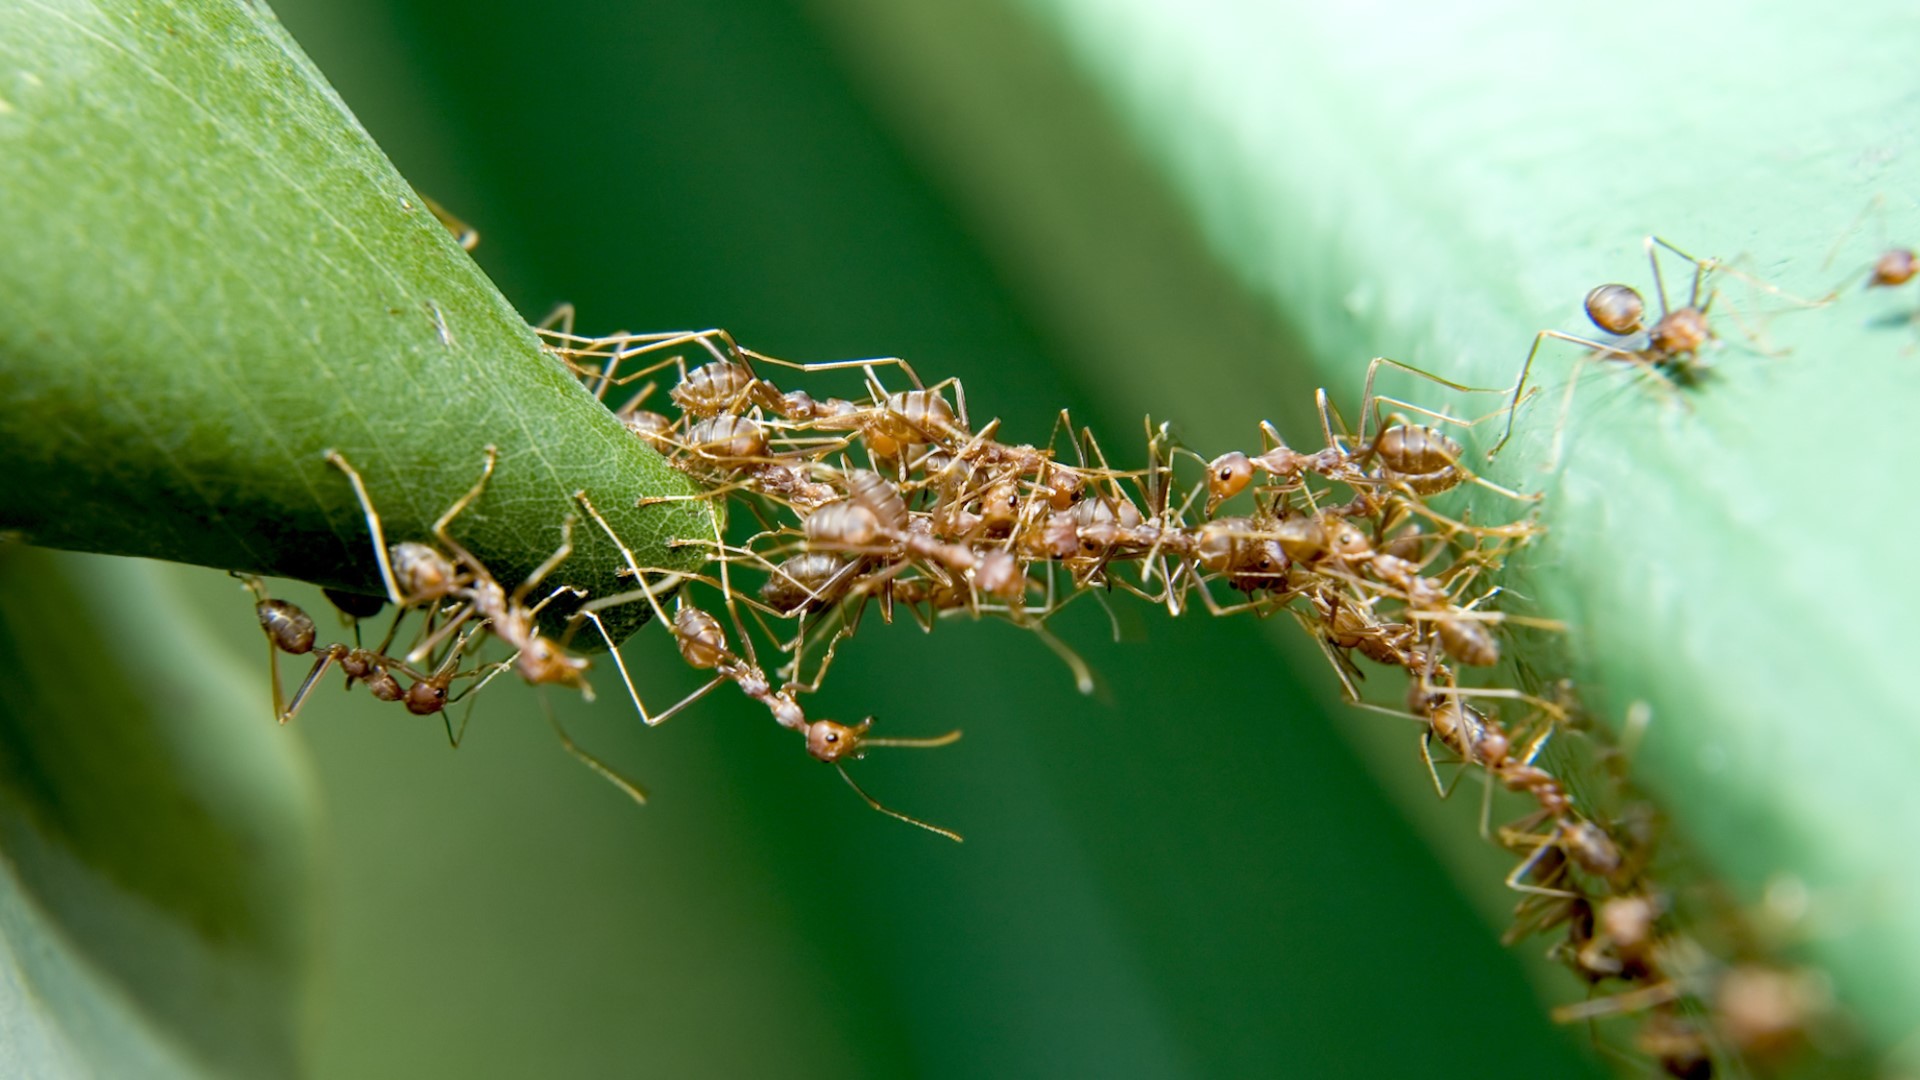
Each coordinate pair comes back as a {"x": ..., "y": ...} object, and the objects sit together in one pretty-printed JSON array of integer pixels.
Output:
[{"x": 1191, "y": 873}]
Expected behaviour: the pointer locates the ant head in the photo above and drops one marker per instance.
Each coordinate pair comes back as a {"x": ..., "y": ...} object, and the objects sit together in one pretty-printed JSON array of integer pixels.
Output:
[
  {"x": 426, "y": 697},
  {"x": 834, "y": 743},
  {"x": 1615, "y": 308},
  {"x": 1065, "y": 487},
  {"x": 1227, "y": 476},
  {"x": 544, "y": 662}
]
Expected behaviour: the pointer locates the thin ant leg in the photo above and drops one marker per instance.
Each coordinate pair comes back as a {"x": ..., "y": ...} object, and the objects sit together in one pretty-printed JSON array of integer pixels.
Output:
[
  {"x": 1083, "y": 680},
  {"x": 1598, "y": 347},
  {"x": 540, "y": 572},
  {"x": 627, "y": 787},
  {"x": 339, "y": 461},
  {"x": 1370, "y": 404},
  {"x": 840, "y": 365},
  {"x": 464, "y": 234},
  {"x": 440, "y": 525},
  {"x": 890, "y": 811},
  {"x": 1527, "y": 865}
]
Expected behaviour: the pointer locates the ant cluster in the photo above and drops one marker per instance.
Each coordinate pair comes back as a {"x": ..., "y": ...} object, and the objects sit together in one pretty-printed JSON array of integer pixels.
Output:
[
  {"x": 463, "y": 606},
  {"x": 895, "y": 500}
]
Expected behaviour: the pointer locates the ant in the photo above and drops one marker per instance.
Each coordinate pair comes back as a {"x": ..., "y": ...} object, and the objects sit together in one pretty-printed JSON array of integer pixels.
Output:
[
  {"x": 702, "y": 643},
  {"x": 431, "y": 577}
]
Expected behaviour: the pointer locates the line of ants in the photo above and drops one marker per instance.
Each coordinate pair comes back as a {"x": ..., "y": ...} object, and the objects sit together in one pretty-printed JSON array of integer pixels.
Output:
[{"x": 894, "y": 500}]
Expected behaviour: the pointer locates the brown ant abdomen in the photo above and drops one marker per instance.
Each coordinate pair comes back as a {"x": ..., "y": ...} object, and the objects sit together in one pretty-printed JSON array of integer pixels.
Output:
[
  {"x": 1894, "y": 267},
  {"x": 287, "y": 626},
  {"x": 1616, "y": 308}
]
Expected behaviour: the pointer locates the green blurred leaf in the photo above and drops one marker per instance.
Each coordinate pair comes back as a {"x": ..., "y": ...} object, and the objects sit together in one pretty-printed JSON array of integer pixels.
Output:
[
  {"x": 212, "y": 275},
  {"x": 156, "y": 892}
]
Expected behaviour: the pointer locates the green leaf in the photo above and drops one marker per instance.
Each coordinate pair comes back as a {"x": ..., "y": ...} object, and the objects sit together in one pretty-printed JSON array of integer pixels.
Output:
[
  {"x": 1437, "y": 185},
  {"x": 212, "y": 276},
  {"x": 155, "y": 895}
]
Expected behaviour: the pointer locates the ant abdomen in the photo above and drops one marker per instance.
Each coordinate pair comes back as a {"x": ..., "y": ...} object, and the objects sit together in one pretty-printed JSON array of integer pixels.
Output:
[
  {"x": 1420, "y": 457},
  {"x": 727, "y": 437},
  {"x": 879, "y": 495},
  {"x": 421, "y": 572},
  {"x": 1616, "y": 308},
  {"x": 713, "y": 388},
  {"x": 1893, "y": 267},
  {"x": 650, "y": 427},
  {"x": 841, "y": 526},
  {"x": 702, "y": 642},
  {"x": 286, "y": 625},
  {"x": 811, "y": 581},
  {"x": 916, "y": 416},
  {"x": 1468, "y": 641}
]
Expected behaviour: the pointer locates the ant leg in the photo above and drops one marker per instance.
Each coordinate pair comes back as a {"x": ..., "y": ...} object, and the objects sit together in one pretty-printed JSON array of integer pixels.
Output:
[
  {"x": 1630, "y": 1001},
  {"x": 1660, "y": 282},
  {"x": 627, "y": 787},
  {"x": 320, "y": 665},
  {"x": 339, "y": 461},
  {"x": 1514, "y": 882},
  {"x": 895, "y": 814},
  {"x": 1370, "y": 404},
  {"x": 492, "y": 455},
  {"x": 464, "y": 234},
  {"x": 1526, "y": 366},
  {"x": 559, "y": 556},
  {"x": 1426, "y": 755},
  {"x": 577, "y": 592},
  {"x": 432, "y": 640}
]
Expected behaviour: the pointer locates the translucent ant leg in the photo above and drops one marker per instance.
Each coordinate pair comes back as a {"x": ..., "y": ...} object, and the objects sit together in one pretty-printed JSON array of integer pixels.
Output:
[
  {"x": 559, "y": 320},
  {"x": 1083, "y": 680},
  {"x": 320, "y": 665},
  {"x": 339, "y": 461},
  {"x": 471, "y": 691},
  {"x": 1343, "y": 666},
  {"x": 440, "y": 525},
  {"x": 627, "y": 787},
  {"x": 792, "y": 671},
  {"x": 463, "y": 234},
  {"x": 540, "y": 572},
  {"x": 432, "y": 639},
  {"x": 1445, "y": 791},
  {"x": 1526, "y": 366},
  {"x": 1660, "y": 282},
  {"x": 647, "y": 591},
  {"x": 1370, "y": 405},
  {"x": 1513, "y": 880},
  {"x": 259, "y": 590},
  {"x": 895, "y": 814},
  {"x": 1628, "y": 1001},
  {"x": 841, "y": 365}
]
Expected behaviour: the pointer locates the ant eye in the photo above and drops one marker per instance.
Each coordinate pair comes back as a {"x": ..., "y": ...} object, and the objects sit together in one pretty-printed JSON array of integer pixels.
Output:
[
  {"x": 833, "y": 736},
  {"x": 1225, "y": 475}
]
